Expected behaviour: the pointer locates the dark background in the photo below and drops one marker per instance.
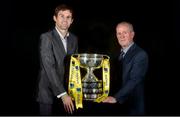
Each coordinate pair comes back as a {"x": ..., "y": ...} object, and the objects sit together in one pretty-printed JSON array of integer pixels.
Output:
[{"x": 157, "y": 31}]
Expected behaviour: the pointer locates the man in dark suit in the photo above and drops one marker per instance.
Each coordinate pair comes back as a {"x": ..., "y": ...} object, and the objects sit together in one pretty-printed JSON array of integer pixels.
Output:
[
  {"x": 55, "y": 45},
  {"x": 134, "y": 67}
]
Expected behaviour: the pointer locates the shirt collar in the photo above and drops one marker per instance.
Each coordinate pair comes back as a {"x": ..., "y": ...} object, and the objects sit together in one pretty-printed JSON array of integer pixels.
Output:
[
  {"x": 67, "y": 35},
  {"x": 127, "y": 48}
]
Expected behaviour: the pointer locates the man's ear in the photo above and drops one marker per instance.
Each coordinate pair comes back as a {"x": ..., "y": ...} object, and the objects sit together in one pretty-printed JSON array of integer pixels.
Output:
[
  {"x": 72, "y": 21},
  {"x": 133, "y": 34},
  {"x": 54, "y": 18}
]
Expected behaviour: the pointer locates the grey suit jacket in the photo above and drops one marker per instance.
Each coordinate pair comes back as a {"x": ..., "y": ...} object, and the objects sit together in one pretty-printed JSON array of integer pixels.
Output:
[
  {"x": 134, "y": 68},
  {"x": 52, "y": 56}
]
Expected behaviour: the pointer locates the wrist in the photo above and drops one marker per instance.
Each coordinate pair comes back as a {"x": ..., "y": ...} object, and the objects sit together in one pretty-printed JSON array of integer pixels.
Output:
[{"x": 64, "y": 96}]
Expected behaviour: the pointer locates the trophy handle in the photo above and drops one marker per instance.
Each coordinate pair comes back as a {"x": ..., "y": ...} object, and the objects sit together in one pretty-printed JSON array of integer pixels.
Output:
[{"x": 106, "y": 57}]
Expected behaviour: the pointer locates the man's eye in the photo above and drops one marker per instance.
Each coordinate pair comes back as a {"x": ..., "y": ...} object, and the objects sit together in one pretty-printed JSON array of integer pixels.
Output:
[{"x": 69, "y": 17}]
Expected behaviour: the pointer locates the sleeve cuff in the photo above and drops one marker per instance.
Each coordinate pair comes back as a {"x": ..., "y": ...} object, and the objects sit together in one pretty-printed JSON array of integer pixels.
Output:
[{"x": 60, "y": 95}]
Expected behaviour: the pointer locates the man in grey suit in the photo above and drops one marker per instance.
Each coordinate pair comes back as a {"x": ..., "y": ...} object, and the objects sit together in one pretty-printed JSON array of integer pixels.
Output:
[
  {"x": 55, "y": 45},
  {"x": 134, "y": 67}
]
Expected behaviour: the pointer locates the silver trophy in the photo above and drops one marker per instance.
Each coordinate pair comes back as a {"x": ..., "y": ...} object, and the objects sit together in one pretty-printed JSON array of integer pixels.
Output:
[{"x": 92, "y": 87}]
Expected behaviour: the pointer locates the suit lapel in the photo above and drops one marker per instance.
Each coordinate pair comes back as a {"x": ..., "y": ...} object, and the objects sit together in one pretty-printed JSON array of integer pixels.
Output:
[
  {"x": 70, "y": 45},
  {"x": 126, "y": 60},
  {"x": 58, "y": 41},
  {"x": 130, "y": 53}
]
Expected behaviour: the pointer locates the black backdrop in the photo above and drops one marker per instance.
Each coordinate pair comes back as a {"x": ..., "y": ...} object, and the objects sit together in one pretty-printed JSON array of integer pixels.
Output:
[{"x": 156, "y": 25}]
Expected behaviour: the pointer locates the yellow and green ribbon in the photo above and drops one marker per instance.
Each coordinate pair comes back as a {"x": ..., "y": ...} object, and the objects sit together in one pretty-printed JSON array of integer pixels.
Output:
[
  {"x": 75, "y": 87},
  {"x": 106, "y": 80}
]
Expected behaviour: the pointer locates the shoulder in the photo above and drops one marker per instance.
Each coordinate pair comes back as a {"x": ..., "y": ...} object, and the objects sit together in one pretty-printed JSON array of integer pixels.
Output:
[
  {"x": 46, "y": 34},
  {"x": 46, "y": 38},
  {"x": 140, "y": 53},
  {"x": 72, "y": 36}
]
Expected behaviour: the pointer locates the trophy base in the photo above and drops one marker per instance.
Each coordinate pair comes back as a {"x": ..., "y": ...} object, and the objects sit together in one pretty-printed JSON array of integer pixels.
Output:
[
  {"x": 91, "y": 97},
  {"x": 92, "y": 90}
]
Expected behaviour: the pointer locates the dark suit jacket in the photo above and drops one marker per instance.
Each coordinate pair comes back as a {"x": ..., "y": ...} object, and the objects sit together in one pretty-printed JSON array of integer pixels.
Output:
[
  {"x": 52, "y": 66},
  {"x": 134, "y": 67}
]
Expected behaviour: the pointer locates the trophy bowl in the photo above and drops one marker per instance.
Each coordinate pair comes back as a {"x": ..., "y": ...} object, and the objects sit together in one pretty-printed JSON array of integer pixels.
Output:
[{"x": 90, "y": 60}]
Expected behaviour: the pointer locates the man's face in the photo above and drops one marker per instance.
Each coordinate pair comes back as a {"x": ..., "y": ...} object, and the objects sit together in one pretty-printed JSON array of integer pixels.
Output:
[
  {"x": 124, "y": 35},
  {"x": 63, "y": 19}
]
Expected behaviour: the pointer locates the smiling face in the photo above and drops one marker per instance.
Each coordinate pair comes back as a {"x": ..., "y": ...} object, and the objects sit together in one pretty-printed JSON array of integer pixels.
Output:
[
  {"x": 124, "y": 34},
  {"x": 63, "y": 19}
]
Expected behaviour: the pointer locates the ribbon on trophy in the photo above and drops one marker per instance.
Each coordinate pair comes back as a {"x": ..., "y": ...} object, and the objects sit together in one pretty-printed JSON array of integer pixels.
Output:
[
  {"x": 106, "y": 80},
  {"x": 75, "y": 87}
]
